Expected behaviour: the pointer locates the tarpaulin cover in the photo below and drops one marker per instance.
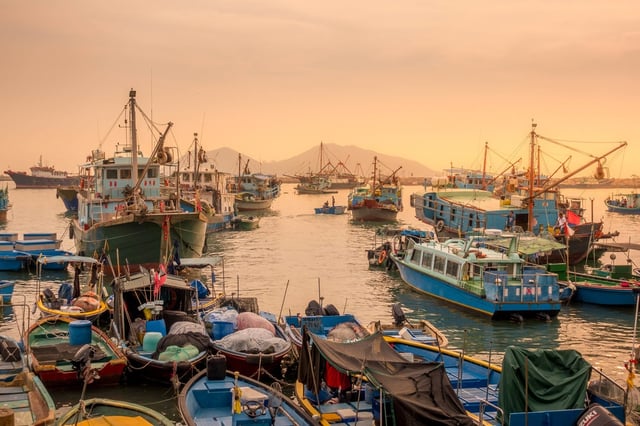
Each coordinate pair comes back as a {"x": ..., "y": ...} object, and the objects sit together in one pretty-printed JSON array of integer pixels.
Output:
[
  {"x": 421, "y": 392},
  {"x": 542, "y": 380}
]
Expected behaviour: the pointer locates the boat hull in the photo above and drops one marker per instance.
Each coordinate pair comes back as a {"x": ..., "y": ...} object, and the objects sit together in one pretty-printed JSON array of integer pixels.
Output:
[
  {"x": 251, "y": 205},
  {"x": 23, "y": 180},
  {"x": 143, "y": 239},
  {"x": 143, "y": 366},
  {"x": 373, "y": 214},
  {"x": 69, "y": 197},
  {"x": 331, "y": 210},
  {"x": 112, "y": 412},
  {"x": 605, "y": 295}
]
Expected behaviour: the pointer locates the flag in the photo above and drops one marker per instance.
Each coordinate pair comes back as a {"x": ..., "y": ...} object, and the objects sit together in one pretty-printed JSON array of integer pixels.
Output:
[
  {"x": 568, "y": 230},
  {"x": 573, "y": 218}
]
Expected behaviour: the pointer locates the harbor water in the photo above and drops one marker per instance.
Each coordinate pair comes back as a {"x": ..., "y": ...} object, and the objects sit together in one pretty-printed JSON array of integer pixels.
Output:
[{"x": 296, "y": 256}]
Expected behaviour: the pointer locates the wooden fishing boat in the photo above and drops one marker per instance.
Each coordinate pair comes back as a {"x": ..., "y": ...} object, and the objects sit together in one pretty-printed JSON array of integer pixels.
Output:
[
  {"x": 379, "y": 201},
  {"x": 54, "y": 346},
  {"x": 150, "y": 311},
  {"x": 467, "y": 274},
  {"x": 28, "y": 399},
  {"x": 104, "y": 411},
  {"x": 80, "y": 301},
  {"x": 256, "y": 346},
  {"x": 236, "y": 400},
  {"x": 421, "y": 331}
]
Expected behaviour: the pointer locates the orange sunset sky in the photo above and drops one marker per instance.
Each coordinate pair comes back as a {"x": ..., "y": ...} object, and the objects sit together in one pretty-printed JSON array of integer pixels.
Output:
[{"x": 427, "y": 80}]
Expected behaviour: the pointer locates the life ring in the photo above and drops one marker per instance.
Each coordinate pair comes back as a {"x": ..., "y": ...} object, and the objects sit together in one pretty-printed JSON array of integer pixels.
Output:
[
  {"x": 440, "y": 225},
  {"x": 382, "y": 257}
]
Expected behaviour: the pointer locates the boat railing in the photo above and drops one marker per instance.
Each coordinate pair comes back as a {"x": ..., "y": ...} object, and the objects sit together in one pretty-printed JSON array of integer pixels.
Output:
[
  {"x": 499, "y": 412},
  {"x": 534, "y": 286}
]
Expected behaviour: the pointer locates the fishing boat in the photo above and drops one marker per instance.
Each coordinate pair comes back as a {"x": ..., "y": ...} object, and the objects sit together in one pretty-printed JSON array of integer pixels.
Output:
[
  {"x": 42, "y": 176},
  {"x": 69, "y": 196},
  {"x": 245, "y": 223},
  {"x": 532, "y": 198},
  {"x": 252, "y": 342},
  {"x": 254, "y": 191},
  {"x": 422, "y": 331},
  {"x": 12, "y": 259},
  {"x": 234, "y": 399},
  {"x": 5, "y": 205},
  {"x": 122, "y": 211},
  {"x": 12, "y": 359},
  {"x": 204, "y": 188},
  {"x": 328, "y": 177},
  {"x": 77, "y": 301},
  {"x": 623, "y": 203},
  {"x": 368, "y": 381},
  {"x": 388, "y": 238},
  {"x": 28, "y": 399},
  {"x": 42, "y": 244},
  {"x": 156, "y": 322},
  {"x": 379, "y": 201},
  {"x": 326, "y": 209},
  {"x": 55, "y": 345},
  {"x": 105, "y": 411},
  {"x": 472, "y": 276},
  {"x": 530, "y": 387}
]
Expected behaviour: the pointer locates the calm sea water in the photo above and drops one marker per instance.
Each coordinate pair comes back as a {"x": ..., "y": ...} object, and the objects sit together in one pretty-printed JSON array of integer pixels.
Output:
[{"x": 295, "y": 256}]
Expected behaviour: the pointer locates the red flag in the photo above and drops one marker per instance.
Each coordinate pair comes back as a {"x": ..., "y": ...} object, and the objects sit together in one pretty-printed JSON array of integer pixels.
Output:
[{"x": 573, "y": 218}]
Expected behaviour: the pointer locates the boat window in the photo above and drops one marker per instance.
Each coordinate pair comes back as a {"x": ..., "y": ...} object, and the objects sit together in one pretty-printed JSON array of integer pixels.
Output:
[
  {"x": 415, "y": 257},
  {"x": 426, "y": 259},
  {"x": 112, "y": 174},
  {"x": 125, "y": 174},
  {"x": 438, "y": 263},
  {"x": 152, "y": 172},
  {"x": 452, "y": 268},
  {"x": 208, "y": 177},
  {"x": 186, "y": 177}
]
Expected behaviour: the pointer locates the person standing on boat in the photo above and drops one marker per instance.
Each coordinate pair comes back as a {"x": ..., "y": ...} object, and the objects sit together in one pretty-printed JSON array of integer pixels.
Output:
[
  {"x": 510, "y": 222},
  {"x": 333, "y": 201},
  {"x": 561, "y": 224}
]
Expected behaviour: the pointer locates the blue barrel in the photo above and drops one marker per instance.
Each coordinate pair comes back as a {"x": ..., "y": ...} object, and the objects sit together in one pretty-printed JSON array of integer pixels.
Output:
[
  {"x": 80, "y": 332},
  {"x": 219, "y": 329},
  {"x": 157, "y": 325}
]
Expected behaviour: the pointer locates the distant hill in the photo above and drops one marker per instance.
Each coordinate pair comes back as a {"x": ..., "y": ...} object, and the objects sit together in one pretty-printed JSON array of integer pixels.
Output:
[{"x": 357, "y": 160}]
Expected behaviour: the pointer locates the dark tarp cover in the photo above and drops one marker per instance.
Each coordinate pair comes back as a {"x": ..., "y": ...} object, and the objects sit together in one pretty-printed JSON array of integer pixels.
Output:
[
  {"x": 552, "y": 380},
  {"x": 421, "y": 392}
]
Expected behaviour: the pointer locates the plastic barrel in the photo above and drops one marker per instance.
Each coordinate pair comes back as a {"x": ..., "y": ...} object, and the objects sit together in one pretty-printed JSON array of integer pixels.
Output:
[
  {"x": 150, "y": 341},
  {"x": 216, "y": 367},
  {"x": 157, "y": 326},
  {"x": 219, "y": 329},
  {"x": 80, "y": 332}
]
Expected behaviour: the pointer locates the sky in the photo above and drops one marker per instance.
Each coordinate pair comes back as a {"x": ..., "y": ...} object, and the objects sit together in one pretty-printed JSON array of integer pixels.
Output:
[{"x": 432, "y": 81}]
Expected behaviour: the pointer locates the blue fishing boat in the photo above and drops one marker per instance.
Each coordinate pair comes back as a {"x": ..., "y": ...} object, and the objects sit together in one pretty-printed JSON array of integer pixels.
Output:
[
  {"x": 327, "y": 209},
  {"x": 532, "y": 387},
  {"x": 216, "y": 396},
  {"x": 378, "y": 201},
  {"x": 593, "y": 289},
  {"x": 534, "y": 202},
  {"x": 467, "y": 273},
  {"x": 12, "y": 259}
]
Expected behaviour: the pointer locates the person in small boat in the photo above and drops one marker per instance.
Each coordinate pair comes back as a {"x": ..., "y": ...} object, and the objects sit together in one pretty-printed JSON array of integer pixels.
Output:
[{"x": 326, "y": 204}]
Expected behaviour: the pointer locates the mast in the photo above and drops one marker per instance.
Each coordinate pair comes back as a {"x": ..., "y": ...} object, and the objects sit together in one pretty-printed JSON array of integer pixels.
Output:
[
  {"x": 530, "y": 223},
  {"x": 484, "y": 165},
  {"x": 375, "y": 181},
  {"x": 134, "y": 140},
  {"x": 196, "y": 162}
]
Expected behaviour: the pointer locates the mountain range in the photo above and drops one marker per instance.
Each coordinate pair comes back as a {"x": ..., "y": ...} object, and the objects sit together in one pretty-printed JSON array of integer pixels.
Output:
[{"x": 357, "y": 160}]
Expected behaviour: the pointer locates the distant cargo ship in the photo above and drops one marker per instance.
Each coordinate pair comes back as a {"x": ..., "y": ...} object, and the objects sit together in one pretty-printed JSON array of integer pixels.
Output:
[{"x": 42, "y": 177}]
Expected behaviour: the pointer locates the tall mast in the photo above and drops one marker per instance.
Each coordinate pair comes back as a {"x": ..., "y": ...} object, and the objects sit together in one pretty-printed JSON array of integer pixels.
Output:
[
  {"x": 530, "y": 177},
  {"x": 484, "y": 165},
  {"x": 196, "y": 162},
  {"x": 134, "y": 140}
]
